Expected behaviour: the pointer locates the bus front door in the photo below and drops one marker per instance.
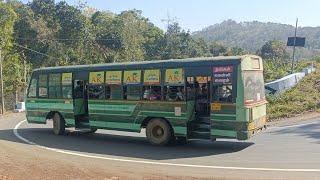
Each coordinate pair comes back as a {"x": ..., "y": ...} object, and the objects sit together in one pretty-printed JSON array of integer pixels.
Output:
[
  {"x": 80, "y": 101},
  {"x": 202, "y": 85}
]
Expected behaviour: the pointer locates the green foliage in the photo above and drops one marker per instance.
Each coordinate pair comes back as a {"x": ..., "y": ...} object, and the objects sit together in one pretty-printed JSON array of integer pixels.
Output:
[
  {"x": 7, "y": 18},
  {"x": 274, "y": 70},
  {"x": 274, "y": 50},
  {"x": 305, "y": 96},
  {"x": 13, "y": 73}
]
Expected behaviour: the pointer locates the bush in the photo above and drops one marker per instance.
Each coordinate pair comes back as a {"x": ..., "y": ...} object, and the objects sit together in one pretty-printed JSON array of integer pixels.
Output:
[{"x": 305, "y": 96}]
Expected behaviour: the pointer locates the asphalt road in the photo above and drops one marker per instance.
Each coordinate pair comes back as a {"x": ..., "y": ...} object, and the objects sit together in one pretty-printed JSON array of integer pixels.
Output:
[{"x": 291, "y": 152}]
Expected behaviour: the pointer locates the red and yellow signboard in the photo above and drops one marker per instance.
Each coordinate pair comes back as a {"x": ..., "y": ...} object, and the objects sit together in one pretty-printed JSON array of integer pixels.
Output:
[
  {"x": 132, "y": 77},
  {"x": 96, "y": 77},
  {"x": 151, "y": 76},
  {"x": 174, "y": 76},
  {"x": 113, "y": 77}
]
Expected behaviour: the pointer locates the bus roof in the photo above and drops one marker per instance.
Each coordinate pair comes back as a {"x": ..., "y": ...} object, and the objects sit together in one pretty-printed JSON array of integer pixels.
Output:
[{"x": 146, "y": 64}]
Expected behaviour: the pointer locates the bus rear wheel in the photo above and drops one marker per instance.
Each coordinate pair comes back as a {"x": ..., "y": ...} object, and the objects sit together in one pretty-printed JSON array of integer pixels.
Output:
[
  {"x": 58, "y": 124},
  {"x": 159, "y": 132}
]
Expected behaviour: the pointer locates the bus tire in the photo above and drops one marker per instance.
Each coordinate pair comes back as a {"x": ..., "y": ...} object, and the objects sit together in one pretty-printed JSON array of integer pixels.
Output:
[
  {"x": 159, "y": 132},
  {"x": 58, "y": 124}
]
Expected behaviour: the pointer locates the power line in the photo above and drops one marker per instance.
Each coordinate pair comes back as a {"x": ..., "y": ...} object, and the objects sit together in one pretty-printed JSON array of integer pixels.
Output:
[
  {"x": 65, "y": 39},
  {"x": 34, "y": 51}
]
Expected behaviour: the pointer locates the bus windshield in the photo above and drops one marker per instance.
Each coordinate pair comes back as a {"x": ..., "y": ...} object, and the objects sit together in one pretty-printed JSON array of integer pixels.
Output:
[{"x": 253, "y": 87}]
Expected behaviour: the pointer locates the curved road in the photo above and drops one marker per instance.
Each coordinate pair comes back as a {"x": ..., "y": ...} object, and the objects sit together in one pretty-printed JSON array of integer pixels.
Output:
[{"x": 291, "y": 152}]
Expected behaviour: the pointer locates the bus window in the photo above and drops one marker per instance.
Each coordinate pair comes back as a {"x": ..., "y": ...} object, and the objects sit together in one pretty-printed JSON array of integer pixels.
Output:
[
  {"x": 191, "y": 86},
  {"x": 33, "y": 88},
  {"x": 132, "y": 92},
  {"x": 67, "y": 85},
  {"x": 113, "y": 92},
  {"x": 54, "y": 86},
  {"x": 174, "y": 93},
  {"x": 151, "y": 93},
  {"x": 222, "y": 93},
  {"x": 96, "y": 91},
  {"x": 43, "y": 86}
]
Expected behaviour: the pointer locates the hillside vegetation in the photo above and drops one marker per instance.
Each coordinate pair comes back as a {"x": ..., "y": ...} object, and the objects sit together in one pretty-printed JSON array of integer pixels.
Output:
[
  {"x": 252, "y": 35},
  {"x": 304, "y": 97}
]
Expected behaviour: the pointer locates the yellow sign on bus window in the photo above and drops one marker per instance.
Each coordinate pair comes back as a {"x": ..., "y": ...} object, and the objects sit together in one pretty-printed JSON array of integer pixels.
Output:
[
  {"x": 215, "y": 106},
  {"x": 66, "y": 78},
  {"x": 174, "y": 76},
  {"x": 132, "y": 77},
  {"x": 202, "y": 79},
  {"x": 113, "y": 77},
  {"x": 152, "y": 76},
  {"x": 96, "y": 77}
]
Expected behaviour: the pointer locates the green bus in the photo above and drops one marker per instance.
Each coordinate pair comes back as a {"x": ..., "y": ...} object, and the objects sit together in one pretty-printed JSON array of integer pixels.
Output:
[{"x": 174, "y": 100}]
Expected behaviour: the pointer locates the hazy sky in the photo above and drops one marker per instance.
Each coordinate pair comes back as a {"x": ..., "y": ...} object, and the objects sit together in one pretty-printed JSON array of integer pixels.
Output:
[{"x": 197, "y": 14}]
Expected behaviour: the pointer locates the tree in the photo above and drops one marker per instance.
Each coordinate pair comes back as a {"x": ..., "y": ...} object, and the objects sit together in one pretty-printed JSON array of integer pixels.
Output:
[
  {"x": 7, "y": 19},
  {"x": 217, "y": 49},
  {"x": 273, "y": 50}
]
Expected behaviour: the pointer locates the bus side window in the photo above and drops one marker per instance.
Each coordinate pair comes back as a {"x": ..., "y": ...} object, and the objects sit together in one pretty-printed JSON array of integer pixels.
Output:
[
  {"x": 174, "y": 93},
  {"x": 191, "y": 86},
  {"x": 151, "y": 93},
  {"x": 96, "y": 91},
  {"x": 113, "y": 92},
  {"x": 132, "y": 92},
  {"x": 222, "y": 93},
  {"x": 32, "y": 93},
  {"x": 43, "y": 85},
  {"x": 66, "y": 85},
  {"x": 55, "y": 86}
]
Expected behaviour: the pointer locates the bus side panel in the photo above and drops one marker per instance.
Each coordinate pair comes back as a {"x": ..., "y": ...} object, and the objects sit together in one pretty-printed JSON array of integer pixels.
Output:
[
  {"x": 224, "y": 122},
  {"x": 113, "y": 114},
  {"x": 32, "y": 112},
  {"x": 44, "y": 106},
  {"x": 128, "y": 115}
]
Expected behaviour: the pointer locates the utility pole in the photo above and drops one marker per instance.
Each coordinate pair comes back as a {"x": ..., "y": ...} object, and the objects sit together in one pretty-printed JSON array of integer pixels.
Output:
[
  {"x": 1, "y": 82},
  {"x": 294, "y": 46}
]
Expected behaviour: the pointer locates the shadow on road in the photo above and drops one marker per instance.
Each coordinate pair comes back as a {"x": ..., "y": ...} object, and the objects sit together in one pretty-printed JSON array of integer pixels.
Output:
[
  {"x": 122, "y": 146},
  {"x": 310, "y": 131}
]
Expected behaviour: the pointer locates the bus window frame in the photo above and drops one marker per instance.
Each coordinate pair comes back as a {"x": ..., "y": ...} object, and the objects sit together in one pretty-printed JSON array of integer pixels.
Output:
[
  {"x": 88, "y": 85},
  {"x": 36, "y": 75},
  {"x": 234, "y": 83},
  {"x": 47, "y": 82},
  {"x": 72, "y": 85},
  {"x": 160, "y": 84},
  {"x": 124, "y": 88},
  {"x": 164, "y": 84},
  {"x": 60, "y": 85}
]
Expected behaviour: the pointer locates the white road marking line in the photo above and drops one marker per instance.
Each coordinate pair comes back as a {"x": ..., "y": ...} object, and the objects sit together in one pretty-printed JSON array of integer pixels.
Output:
[{"x": 15, "y": 131}]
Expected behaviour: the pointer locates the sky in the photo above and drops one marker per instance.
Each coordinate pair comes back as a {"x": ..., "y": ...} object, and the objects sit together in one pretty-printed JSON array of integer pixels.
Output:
[{"x": 194, "y": 15}]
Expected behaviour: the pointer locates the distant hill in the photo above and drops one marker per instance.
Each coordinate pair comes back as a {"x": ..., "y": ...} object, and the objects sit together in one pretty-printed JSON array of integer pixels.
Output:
[{"x": 252, "y": 35}]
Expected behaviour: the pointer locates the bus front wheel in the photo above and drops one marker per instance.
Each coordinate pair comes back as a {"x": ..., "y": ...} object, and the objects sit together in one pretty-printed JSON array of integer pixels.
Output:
[
  {"x": 159, "y": 132},
  {"x": 58, "y": 124}
]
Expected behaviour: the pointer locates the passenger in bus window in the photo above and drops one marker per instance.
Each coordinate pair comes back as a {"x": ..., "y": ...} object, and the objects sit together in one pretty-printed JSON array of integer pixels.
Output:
[
  {"x": 147, "y": 93},
  {"x": 155, "y": 94},
  {"x": 180, "y": 94}
]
